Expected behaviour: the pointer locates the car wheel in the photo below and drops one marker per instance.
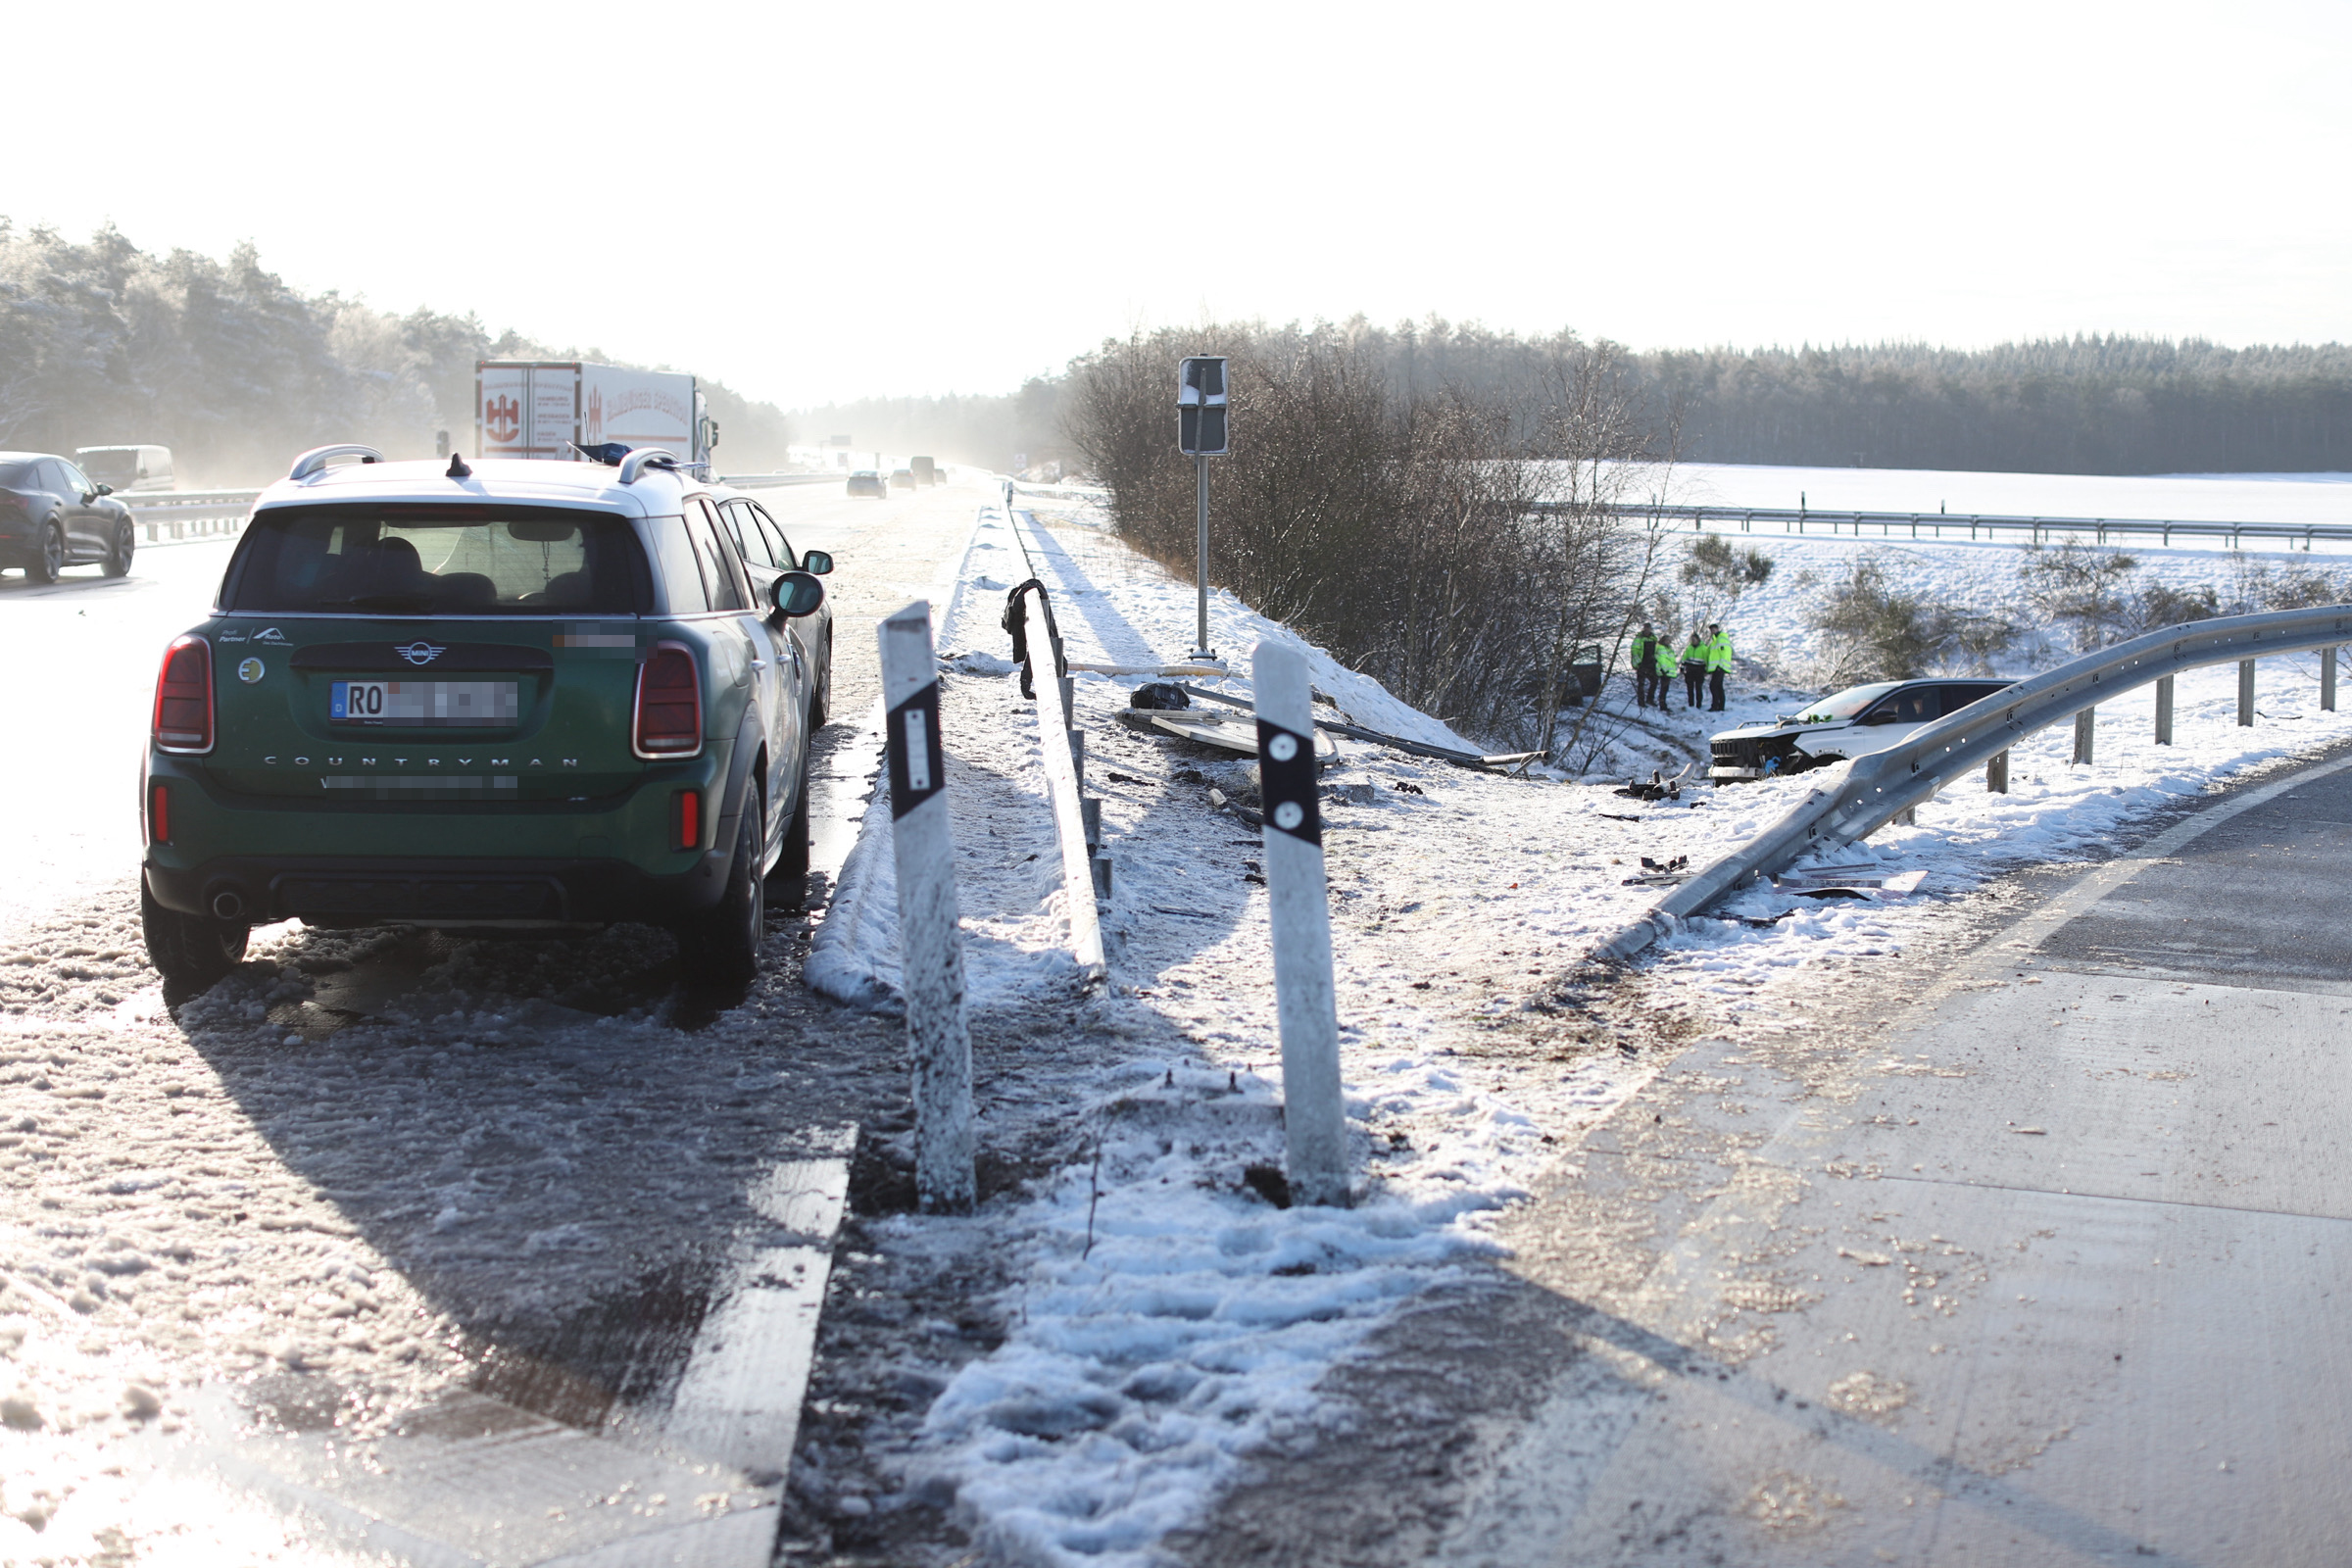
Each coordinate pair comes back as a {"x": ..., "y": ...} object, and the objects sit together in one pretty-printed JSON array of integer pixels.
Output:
[
  {"x": 722, "y": 946},
  {"x": 117, "y": 560},
  {"x": 191, "y": 951},
  {"x": 52, "y": 559}
]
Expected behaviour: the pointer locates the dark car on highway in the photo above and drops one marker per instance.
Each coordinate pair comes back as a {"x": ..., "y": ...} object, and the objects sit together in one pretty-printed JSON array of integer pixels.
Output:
[
  {"x": 522, "y": 697},
  {"x": 53, "y": 516}
]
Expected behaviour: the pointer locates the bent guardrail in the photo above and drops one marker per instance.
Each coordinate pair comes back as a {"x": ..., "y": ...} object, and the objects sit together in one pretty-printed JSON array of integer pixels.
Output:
[{"x": 1874, "y": 790}]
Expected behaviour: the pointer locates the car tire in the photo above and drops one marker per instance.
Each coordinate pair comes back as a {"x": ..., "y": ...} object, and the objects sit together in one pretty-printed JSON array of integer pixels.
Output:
[
  {"x": 191, "y": 951},
  {"x": 721, "y": 945},
  {"x": 117, "y": 560},
  {"x": 50, "y": 561}
]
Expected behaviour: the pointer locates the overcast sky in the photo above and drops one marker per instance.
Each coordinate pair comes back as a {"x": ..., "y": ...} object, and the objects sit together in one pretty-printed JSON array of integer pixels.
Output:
[{"x": 812, "y": 202}]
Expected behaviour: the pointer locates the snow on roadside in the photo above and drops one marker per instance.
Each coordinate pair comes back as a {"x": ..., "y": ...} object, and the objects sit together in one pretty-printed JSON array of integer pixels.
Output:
[{"x": 1165, "y": 1319}]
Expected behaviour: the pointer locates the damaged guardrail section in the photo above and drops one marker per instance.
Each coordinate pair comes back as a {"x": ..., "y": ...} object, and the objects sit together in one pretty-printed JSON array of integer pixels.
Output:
[{"x": 1876, "y": 789}]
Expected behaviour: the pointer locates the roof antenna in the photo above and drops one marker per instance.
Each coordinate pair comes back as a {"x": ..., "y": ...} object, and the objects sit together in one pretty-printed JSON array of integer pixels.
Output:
[{"x": 457, "y": 466}]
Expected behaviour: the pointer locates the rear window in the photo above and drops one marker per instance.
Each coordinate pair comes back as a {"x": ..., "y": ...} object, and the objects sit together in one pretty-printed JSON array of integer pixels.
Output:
[
  {"x": 112, "y": 468},
  {"x": 440, "y": 561},
  {"x": 18, "y": 476}
]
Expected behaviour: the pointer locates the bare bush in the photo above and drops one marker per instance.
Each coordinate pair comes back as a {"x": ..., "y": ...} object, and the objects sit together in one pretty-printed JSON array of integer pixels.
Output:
[
  {"x": 2084, "y": 587},
  {"x": 1874, "y": 631},
  {"x": 1400, "y": 529}
]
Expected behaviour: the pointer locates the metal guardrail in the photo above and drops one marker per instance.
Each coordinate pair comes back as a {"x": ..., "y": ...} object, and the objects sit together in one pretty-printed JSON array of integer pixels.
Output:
[
  {"x": 762, "y": 481},
  {"x": 1805, "y": 520},
  {"x": 188, "y": 514},
  {"x": 1876, "y": 789}
]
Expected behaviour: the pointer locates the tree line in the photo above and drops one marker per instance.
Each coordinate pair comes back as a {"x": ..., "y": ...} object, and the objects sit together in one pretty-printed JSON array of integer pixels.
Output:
[
  {"x": 102, "y": 343},
  {"x": 2080, "y": 405}
]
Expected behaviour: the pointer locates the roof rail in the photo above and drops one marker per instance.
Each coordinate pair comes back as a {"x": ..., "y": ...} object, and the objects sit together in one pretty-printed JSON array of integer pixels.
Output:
[
  {"x": 641, "y": 459},
  {"x": 316, "y": 460}
]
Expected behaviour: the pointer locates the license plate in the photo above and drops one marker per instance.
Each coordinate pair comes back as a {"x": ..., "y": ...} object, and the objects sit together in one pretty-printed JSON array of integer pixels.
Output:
[{"x": 430, "y": 704}]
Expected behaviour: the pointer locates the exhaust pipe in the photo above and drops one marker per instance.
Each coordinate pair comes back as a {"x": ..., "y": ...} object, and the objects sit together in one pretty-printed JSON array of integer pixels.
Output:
[{"x": 228, "y": 905}]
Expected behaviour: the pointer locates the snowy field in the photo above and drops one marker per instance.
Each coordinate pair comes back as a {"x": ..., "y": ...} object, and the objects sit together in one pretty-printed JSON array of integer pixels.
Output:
[
  {"x": 2290, "y": 497},
  {"x": 1165, "y": 1319}
]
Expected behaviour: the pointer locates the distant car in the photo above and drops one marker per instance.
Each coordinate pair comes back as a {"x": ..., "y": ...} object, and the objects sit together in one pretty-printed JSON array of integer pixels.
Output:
[
  {"x": 901, "y": 478},
  {"x": 1854, "y": 722},
  {"x": 867, "y": 483},
  {"x": 128, "y": 467},
  {"x": 53, "y": 516}
]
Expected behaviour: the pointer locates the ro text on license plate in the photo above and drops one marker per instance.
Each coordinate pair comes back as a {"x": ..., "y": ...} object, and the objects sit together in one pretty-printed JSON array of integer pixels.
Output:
[{"x": 441, "y": 703}]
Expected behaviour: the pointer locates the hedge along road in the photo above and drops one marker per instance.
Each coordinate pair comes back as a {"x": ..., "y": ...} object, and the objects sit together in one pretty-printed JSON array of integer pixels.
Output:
[
  {"x": 2045, "y": 1263},
  {"x": 378, "y": 1184}
]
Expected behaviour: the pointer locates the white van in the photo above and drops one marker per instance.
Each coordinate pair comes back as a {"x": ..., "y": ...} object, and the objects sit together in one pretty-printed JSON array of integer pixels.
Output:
[{"x": 128, "y": 467}]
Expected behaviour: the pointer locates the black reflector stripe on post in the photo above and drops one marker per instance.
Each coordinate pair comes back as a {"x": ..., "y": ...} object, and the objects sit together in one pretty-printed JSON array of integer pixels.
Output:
[
  {"x": 918, "y": 767},
  {"x": 1286, "y": 782}
]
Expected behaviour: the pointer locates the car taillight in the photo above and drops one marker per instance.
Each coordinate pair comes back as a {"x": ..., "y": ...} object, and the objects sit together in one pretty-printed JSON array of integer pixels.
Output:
[
  {"x": 183, "y": 697},
  {"x": 689, "y": 819},
  {"x": 159, "y": 814},
  {"x": 669, "y": 702}
]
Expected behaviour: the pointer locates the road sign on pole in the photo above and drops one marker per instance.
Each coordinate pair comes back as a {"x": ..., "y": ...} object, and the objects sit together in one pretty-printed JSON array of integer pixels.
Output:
[{"x": 1201, "y": 432}]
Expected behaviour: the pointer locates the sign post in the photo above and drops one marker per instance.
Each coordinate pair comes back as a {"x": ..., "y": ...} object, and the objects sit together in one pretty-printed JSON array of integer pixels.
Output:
[
  {"x": 1201, "y": 431},
  {"x": 1314, "y": 1117},
  {"x": 930, "y": 946}
]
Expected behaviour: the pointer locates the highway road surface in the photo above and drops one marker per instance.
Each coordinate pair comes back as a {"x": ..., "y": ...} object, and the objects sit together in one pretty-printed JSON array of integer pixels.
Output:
[{"x": 2037, "y": 1254}]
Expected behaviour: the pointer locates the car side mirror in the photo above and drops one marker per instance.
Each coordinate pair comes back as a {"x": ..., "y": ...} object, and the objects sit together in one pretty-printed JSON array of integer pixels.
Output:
[
  {"x": 816, "y": 563},
  {"x": 794, "y": 594},
  {"x": 106, "y": 489}
]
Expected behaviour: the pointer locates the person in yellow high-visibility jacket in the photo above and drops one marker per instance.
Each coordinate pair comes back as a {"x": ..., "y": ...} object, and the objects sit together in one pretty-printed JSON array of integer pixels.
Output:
[
  {"x": 1694, "y": 667},
  {"x": 1719, "y": 663}
]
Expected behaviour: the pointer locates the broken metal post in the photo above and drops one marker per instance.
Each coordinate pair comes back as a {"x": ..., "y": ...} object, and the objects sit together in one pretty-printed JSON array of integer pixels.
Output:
[
  {"x": 2086, "y": 734},
  {"x": 2245, "y": 693},
  {"x": 2164, "y": 710},
  {"x": 1314, "y": 1117},
  {"x": 930, "y": 946}
]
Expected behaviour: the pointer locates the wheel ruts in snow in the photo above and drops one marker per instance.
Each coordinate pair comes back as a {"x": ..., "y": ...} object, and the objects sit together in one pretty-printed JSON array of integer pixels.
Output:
[
  {"x": 930, "y": 946},
  {"x": 1314, "y": 1117}
]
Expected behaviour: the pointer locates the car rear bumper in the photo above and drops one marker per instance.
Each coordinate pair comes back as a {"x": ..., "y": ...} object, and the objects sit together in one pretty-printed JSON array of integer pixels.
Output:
[
  {"x": 377, "y": 889},
  {"x": 591, "y": 862}
]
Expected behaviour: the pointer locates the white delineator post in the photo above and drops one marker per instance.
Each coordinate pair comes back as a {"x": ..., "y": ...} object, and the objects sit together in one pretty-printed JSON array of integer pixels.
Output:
[
  {"x": 1314, "y": 1117},
  {"x": 930, "y": 946}
]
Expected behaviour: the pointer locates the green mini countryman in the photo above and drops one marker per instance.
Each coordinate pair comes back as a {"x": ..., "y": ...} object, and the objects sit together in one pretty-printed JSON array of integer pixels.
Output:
[{"x": 521, "y": 695}]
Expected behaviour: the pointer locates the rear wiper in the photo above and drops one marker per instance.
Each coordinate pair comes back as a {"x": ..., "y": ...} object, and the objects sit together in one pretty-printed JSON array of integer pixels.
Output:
[{"x": 386, "y": 602}]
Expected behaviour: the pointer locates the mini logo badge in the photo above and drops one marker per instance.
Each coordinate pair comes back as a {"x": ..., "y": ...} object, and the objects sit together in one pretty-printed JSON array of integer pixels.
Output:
[
  {"x": 421, "y": 652},
  {"x": 249, "y": 672}
]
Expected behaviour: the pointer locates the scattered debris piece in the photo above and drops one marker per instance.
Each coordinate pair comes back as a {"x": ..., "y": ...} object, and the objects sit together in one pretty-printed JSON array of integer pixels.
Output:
[
  {"x": 1159, "y": 695},
  {"x": 1680, "y": 863},
  {"x": 1403, "y": 787},
  {"x": 1659, "y": 787}
]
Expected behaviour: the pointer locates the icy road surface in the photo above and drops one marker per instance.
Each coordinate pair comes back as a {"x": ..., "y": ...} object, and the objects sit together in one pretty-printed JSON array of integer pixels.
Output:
[{"x": 373, "y": 1181}]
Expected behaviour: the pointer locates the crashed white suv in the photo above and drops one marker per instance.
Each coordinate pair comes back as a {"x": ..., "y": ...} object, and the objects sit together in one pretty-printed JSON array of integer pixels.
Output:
[{"x": 1855, "y": 723}]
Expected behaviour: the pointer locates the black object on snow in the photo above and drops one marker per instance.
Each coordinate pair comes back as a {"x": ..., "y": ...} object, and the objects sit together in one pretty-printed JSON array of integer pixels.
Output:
[
  {"x": 1160, "y": 694},
  {"x": 1017, "y": 624}
]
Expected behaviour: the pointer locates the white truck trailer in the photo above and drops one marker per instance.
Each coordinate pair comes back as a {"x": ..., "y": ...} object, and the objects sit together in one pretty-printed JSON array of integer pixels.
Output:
[{"x": 550, "y": 408}]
